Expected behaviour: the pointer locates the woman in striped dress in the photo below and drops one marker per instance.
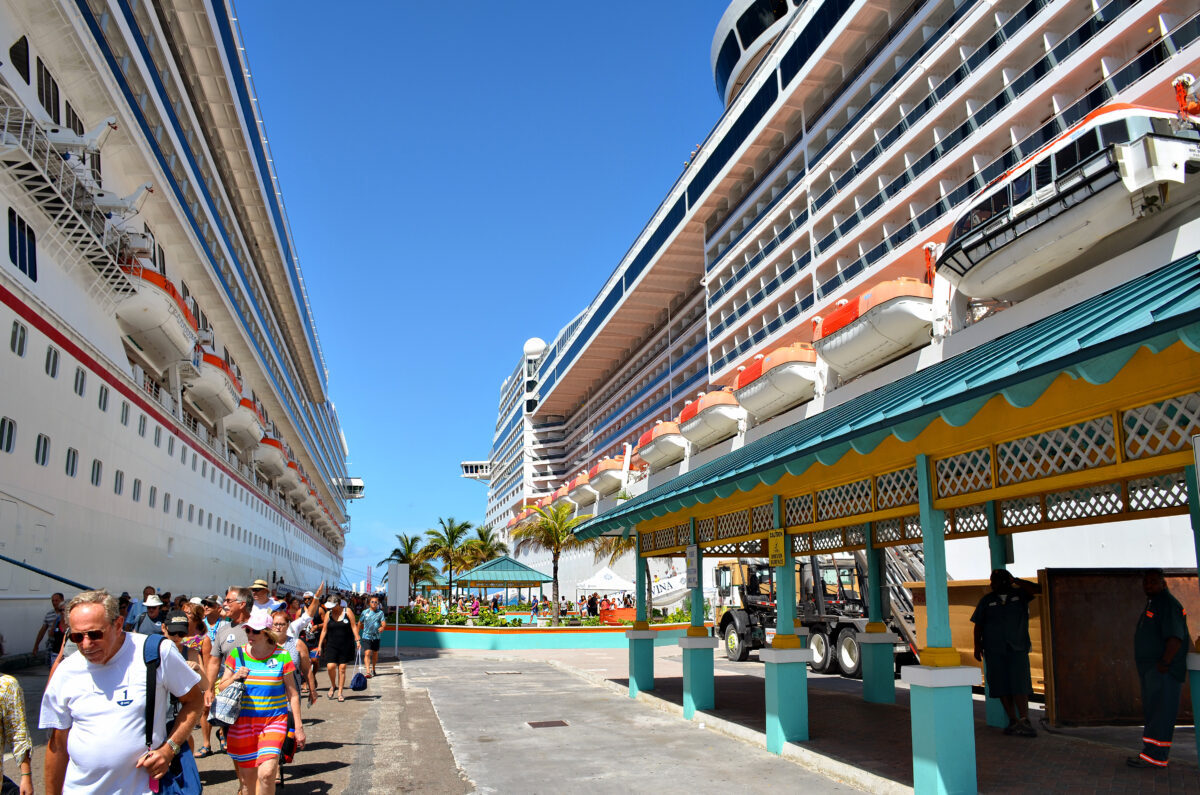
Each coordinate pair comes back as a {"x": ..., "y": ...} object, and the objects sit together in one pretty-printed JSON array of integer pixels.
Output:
[{"x": 255, "y": 741}]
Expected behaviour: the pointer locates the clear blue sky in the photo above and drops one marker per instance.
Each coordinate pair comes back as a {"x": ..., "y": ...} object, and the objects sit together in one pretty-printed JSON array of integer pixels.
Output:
[{"x": 460, "y": 177}]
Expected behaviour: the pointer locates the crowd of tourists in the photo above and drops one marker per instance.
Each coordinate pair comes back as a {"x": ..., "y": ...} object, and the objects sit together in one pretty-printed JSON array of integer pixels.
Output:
[{"x": 134, "y": 682}]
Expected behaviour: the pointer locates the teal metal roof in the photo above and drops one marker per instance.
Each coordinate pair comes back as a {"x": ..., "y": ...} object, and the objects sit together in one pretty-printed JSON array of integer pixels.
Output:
[
  {"x": 499, "y": 571},
  {"x": 1092, "y": 340}
]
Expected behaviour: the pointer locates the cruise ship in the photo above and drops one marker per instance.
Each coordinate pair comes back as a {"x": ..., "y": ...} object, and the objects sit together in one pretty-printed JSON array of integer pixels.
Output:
[
  {"x": 853, "y": 216},
  {"x": 165, "y": 416}
]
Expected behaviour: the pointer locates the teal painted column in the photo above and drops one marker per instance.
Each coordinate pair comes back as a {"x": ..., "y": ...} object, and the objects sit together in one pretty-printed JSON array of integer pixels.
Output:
[
  {"x": 785, "y": 664},
  {"x": 877, "y": 645},
  {"x": 698, "y": 685},
  {"x": 1193, "y": 658},
  {"x": 943, "y": 721},
  {"x": 641, "y": 637},
  {"x": 997, "y": 549}
]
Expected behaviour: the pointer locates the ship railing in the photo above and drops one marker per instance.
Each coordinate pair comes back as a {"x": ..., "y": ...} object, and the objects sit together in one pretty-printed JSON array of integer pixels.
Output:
[{"x": 82, "y": 229}]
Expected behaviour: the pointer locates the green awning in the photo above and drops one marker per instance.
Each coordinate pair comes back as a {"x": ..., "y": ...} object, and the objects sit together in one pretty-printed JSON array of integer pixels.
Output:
[
  {"x": 1092, "y": 340},
  {"x": 502, "y": 572}
]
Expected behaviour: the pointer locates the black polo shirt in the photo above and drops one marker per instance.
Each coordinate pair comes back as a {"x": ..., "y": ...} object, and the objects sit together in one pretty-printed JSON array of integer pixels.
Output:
[{"x": 1005, "y": 621}]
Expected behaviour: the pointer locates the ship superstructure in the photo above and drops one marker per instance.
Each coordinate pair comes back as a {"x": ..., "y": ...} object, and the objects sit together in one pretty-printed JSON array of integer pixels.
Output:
[{"x": 166, "y": 404}]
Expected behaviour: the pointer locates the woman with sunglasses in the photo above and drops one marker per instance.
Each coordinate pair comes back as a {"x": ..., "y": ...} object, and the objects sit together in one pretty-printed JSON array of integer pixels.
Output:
[
  {"x": 338, "y": 645},
  {"x": 176, "y": 627},
  {"x": 255, "y": 741}
]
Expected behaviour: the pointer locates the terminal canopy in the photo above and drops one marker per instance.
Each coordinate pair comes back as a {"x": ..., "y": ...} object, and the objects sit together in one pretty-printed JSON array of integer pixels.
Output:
[{"x": 503, "y": 572}]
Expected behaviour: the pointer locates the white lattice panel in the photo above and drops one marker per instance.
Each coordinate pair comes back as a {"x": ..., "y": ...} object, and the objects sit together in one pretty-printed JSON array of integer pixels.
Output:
[
  {"x": 898, "y": 530},
  {"x": 762, "y": 517},
  {"x": 666, "y": 537},
  {"x": 1084, "y": 445},
  {"x": 733, "y": 524},
  {"x": 855, "y": 535},
  {"x": 827, "y": 540},
  {"x": 968, "y": 519},
  {"x": 802, "y": 544},
  {"x": 1160, "y": 491},
  {"x": 1161, "y": 427},
  {"x": 845, "y": 500},
  {"x": 797, "y": 510},
  {"x": 1084, "y": 503},
  {"x": 964, "y": 473},
  {"x": 706, "y": 529},
  {"x": 1020, "y": 512},
  {"x": 749, "y": 548},
  {"x": 896, "y": 488}
]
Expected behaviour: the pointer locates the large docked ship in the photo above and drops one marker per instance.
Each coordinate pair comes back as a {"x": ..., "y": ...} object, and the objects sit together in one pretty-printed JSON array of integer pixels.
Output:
[
  {"x": 165, "y": 416},
  {"x": 889, "y": 184}
]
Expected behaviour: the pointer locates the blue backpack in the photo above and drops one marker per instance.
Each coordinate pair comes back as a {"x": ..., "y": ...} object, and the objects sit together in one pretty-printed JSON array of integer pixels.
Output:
[{"x": 182, "y": 777}]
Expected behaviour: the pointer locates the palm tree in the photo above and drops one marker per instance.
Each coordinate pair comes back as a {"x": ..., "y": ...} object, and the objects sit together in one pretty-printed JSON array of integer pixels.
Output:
[
  {"x": 483, "y": 547},
  {"x": 411, "y": 552},
  {"x": 552, "y": 530},
  {"x": 446, "y": 542},
  {"x": 615, "y": 548}
]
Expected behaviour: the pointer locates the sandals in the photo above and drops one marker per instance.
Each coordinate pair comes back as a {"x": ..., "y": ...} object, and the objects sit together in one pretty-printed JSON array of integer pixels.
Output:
[
  {"x": 203, "y": 751},
  {"x": 341, "y": 699}
]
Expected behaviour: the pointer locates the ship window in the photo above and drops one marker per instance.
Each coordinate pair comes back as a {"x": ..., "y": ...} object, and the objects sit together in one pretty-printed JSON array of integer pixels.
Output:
[
  {"x": 97, "y": 471},
  {"x": 102, "y": 399},
  {"x": 210, "y": 521},
  {"x": 41, "y": 450},
  {"x": 1088, "y": 145},
  {"x": 157, "y": 435},
  {"x": 170, "y": 445},
  {"x": 200, "y": 517},
  {"x": 118, "y": 483},
  {"x": 153, "y": 497},
  {"x": 47, "y": 89},
  {"x": 761, "y": 15},
  {"x": 16, "y": 342},
  {"x": 203, "y": 468},
  {"x": 166, "y": 502},
  {"x": 1066, "y": 159},
  {"x": 1000, "y": 202},
  {"x": 72, "y": 120},
  {"x": 183, "y": 454},
  {"x": 1022, "y": 187},
  {"x": 179, "y": 509},
  {"x": 191, "y": 512},
  {"x": 125, "y": 412},
  {"x": 727, "y": 59},
  {"x": 80, "y": 381},
  {"x": 142, "y": 425},
  {"x": 1115, "y": 132},
  {"x": 52, "y": 361},
  {"x": 19, "y": 55},
  {"x": 193, "y": 462},
  {"x": 22, "y": 245}
]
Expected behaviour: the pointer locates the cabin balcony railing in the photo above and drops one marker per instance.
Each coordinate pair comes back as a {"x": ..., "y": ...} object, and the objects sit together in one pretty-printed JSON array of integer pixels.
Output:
[{"x": 52, "y": 184}]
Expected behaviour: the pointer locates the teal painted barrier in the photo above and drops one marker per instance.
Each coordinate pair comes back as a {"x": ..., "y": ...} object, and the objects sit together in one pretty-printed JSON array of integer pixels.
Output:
[{"x": 519, "y": 638}]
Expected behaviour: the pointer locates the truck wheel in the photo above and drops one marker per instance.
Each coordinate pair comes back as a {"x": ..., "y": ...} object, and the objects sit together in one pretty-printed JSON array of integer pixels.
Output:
[
  {"x": 822, "y": 657},
  {"x": 736, "y": 648},
  {"x": 849, "y": 655}
]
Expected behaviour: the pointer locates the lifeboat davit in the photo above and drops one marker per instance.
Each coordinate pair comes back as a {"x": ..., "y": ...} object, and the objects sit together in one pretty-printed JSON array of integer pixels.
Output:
[
  {"x": 246, "y": 424},
  {"x": 291, "y": 481},
  {"x": 579, "y": 490},
  {"x": 662, "y": 445},
  {"x": 771, "y": 384},
  {"x": 270, "y": 457},
  {"x": 607, "y": 476},
  {"x": 157, "y": 319},
  {"x": 890, "y": 320},
  {"x": 1094, "y": 192},
  {"x": 711, "y": 418}
]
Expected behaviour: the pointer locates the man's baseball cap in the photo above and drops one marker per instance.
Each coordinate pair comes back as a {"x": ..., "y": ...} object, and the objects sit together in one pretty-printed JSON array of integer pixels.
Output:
[
  {"x": 259, "y": 584},
  {"x": 309, "y": 594},
  {"x": 177, "y": 622},
  {"x": 212, "y": 600},
  {"x": 153, "y": 601},
  {"x": 196, "y": 600}
]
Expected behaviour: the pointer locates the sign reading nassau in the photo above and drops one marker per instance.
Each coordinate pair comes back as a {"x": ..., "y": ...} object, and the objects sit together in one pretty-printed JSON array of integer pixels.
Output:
[
  {"x": 776, "y": 539},
  {"x": 693, "y": 568}
]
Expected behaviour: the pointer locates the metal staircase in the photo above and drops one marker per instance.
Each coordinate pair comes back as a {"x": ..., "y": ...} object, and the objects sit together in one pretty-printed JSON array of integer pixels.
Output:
[
  {"x": 901, "y": 564},
  {"x": 80, "y": 229}
]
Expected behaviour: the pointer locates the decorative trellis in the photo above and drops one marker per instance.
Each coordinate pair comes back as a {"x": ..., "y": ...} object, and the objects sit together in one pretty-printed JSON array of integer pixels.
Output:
[
  {"x": 900, "y": 530},
  {"x": 731, "y": 525},
  {"x": 665, "y": 538},
  {"x": 762, "y": 517},
  {"x": 1083, "y": 445},
  {"x": 964, "y": 473},
  {"x": 835, "y": 539},
  {"x": 1164, "y": 427},
  {"x": 755, "y": 548},
  {"x": 893, "y": 489},
  {"x": 706, "y": 529},
  {"x": 798, "y": 510},
  {"x": 1166, "y": 493},
  {"x": 847, "y": 499},
  {"x": 970, "y": 520}
]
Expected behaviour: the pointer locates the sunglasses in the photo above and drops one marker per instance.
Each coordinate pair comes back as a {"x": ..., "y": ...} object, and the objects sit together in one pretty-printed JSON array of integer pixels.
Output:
[
  {"x": 250, "y": 631},
  {"x": 91, "y": 634},
  {"x": 177, "y": 634}
]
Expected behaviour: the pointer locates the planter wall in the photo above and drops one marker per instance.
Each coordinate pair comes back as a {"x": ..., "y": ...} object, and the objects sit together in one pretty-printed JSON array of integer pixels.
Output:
[{"x": 518, "y": 638}]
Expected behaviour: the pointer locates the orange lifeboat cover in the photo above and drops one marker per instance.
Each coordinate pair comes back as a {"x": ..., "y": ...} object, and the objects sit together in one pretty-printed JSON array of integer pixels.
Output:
[
  {"x": 707, "y": 401},
  {"x": 881, "y": 293},
  {"x": 798, "y": 352}
]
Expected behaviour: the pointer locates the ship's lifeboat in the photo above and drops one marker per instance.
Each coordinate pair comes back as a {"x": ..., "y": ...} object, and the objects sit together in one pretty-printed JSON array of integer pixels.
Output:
[
  {"x": 1102, "y": 186},
  {"x": 214, "y": 389},
  {"x": 309, "y": 503},
  {"x": 662, "y": 445},
  {"x": 291, "y": 479},
  {"x": 246, "y": 424},
  {"x": 560, "y": 497},
  {"x": 156, "y": 318},
  {"x": 270, "y": 456},
  {"x": 579, "y": 490},
  {"x": 890, "y": 320},
  {"x": 544, "y": 502},
  {"x": 771, "y": 384},
  {"x": 711, "y": 418},
  {"x": 607, "y": 476}
]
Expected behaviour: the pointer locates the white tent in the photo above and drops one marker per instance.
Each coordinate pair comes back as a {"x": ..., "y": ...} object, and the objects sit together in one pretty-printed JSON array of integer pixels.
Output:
[{"x": 604, "y": 581}]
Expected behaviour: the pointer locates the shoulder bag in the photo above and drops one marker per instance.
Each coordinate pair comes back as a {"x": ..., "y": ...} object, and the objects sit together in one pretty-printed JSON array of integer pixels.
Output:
[{"x": 182, "y": 777}]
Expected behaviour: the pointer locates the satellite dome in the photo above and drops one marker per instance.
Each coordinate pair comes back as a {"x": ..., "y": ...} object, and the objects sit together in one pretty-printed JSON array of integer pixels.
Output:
[{"x": 534, "y": 346}]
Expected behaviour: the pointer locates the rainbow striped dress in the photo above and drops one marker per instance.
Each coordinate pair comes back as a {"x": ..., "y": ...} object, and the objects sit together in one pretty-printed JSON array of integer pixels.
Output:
[{"x": 262, "y": 725}]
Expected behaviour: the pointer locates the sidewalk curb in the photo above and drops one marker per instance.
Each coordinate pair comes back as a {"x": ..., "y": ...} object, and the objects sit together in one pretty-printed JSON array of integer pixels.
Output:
[{"x": 805, "y": 757}]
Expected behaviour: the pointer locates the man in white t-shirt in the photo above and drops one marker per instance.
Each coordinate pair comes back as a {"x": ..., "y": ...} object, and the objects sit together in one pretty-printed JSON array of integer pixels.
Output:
[
  {"x": 263, "y": 603},
  {"x": 95, "y": 706}
]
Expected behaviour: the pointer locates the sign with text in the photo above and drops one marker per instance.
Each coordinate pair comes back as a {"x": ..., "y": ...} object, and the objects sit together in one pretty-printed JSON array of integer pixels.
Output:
[
  {"x": 692, "y": 556},
  {"x": 776, "y": 539}
]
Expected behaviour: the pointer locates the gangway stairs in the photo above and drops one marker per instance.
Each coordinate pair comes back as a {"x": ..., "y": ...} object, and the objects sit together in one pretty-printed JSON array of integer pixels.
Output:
[
  {"x": 901, "y": 564},
  {"x": 52, "y": 185}
]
